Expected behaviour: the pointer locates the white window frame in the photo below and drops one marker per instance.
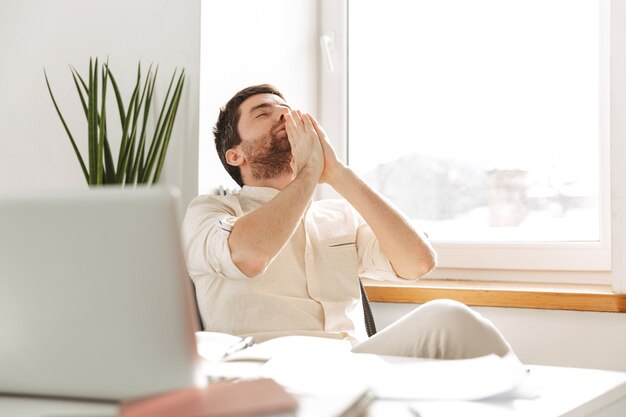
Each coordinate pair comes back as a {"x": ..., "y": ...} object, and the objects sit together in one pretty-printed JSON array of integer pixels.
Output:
[{"x": 577, "y": 263}]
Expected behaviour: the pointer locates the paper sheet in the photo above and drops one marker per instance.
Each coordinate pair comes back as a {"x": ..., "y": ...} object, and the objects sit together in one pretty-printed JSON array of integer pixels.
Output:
[{"x": 392, "y": 377}]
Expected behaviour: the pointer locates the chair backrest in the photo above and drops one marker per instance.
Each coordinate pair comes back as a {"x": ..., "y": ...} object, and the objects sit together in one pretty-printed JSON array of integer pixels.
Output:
[{"x": 370, "y": 325}]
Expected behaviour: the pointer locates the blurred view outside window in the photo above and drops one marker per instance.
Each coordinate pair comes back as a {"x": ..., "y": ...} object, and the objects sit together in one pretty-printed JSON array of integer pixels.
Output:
[{"x": 479, "y": 119}]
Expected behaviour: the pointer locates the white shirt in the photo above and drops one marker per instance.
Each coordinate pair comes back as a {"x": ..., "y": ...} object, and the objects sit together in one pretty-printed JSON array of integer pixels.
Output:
[{"x": 311, "y": 287}]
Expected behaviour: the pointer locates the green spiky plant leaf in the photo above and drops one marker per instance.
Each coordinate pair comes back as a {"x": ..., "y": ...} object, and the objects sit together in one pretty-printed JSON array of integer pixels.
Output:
[{"x": 141, "y": 155}]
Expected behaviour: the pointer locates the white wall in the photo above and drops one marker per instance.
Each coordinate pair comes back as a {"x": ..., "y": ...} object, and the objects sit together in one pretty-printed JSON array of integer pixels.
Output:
[
  {"x": 34, "y": 149},
  {"x": 547, "y": 337},
  {"x": 247, "y": 42}
]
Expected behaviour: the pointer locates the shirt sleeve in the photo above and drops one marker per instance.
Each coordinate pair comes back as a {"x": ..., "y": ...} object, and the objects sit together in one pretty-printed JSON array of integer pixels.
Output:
[
  {"x": 206, "y": 228},
  {"x": 373, "y": 264}
]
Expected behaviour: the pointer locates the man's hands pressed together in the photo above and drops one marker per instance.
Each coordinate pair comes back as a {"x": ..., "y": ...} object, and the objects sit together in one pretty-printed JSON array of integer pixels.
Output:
[
  {"x": 306, "y": 149},
  {"x": 303, "y": 141},
  {"x": 333, "y": 167}
]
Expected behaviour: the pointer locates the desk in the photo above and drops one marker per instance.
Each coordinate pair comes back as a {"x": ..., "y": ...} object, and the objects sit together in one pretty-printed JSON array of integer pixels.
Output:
[{"x": 564, "y": 392}]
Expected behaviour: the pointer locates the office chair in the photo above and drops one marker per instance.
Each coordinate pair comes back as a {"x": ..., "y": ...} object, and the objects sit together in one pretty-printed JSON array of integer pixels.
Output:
[{"x": 370, "y": 326}]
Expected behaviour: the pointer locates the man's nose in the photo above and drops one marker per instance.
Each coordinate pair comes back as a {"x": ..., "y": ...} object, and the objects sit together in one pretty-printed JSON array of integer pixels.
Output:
[{"x": 282, "y": 111}]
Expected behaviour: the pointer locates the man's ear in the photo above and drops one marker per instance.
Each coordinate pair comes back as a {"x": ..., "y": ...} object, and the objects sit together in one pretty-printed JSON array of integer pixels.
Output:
[{"x": 234, "y": 157}]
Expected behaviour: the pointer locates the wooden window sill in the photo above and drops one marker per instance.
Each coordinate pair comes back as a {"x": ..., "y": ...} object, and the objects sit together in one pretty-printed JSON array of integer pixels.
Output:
[{"x": 500, "y": 294}]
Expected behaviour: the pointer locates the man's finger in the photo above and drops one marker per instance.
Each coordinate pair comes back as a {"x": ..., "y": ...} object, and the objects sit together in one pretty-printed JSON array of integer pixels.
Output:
[
  {"x": 316, "y": 126},
  {"x": 308, "y": 123},
  {"x": 290, "y": 123},
  {"x": 298, "y": 117}
]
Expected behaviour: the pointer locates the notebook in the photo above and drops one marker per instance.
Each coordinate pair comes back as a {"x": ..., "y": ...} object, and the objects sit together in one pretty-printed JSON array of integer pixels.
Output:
[
  {"x": 260, "y": 397},
  {"x": 95, "y": 301}
]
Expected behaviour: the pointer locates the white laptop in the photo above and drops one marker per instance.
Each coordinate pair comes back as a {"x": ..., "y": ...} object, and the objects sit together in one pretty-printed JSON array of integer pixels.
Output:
[{"x": 95, "y": 301}]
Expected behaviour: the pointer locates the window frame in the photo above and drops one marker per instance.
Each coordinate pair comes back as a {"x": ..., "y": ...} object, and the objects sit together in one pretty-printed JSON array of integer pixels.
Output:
[{"x": 564, "y": 263}]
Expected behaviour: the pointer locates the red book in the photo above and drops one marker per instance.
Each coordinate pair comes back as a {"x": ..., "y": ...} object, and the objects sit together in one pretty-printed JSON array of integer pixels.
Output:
[{"x": 261, "y": 397}]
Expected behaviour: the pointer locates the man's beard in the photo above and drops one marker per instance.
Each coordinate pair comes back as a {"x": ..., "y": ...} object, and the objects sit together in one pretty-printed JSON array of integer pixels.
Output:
[{"x": 269, "y": 156}]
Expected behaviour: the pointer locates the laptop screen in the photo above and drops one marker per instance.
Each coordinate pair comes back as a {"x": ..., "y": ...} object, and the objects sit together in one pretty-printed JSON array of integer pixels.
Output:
[{"x": 95, "y": 301}]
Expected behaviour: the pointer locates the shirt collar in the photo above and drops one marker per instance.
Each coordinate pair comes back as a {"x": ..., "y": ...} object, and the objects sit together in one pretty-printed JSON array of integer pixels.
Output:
[{"x": 263, "y": 194}]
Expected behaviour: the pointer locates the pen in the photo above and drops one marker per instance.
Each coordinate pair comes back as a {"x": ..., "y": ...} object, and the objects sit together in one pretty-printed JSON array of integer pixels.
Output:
[{"x": 244, "y": 343}]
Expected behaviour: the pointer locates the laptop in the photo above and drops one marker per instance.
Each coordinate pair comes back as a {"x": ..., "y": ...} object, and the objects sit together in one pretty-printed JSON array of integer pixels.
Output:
[{"x": 95, "y": 301}]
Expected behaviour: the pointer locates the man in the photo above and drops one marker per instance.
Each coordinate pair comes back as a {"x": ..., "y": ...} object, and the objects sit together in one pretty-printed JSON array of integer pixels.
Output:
[{"x": 269, "y": 262}]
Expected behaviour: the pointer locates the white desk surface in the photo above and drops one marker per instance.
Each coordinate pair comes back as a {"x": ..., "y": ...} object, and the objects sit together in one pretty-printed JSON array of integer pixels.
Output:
[{"x": 562, "y": 392}]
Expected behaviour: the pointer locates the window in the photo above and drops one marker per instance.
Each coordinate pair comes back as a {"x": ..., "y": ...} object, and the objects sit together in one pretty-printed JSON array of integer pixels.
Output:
[{"x": 486, "y": 121}]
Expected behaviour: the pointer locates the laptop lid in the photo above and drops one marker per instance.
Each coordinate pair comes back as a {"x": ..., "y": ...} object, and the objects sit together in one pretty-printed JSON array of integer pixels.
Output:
[{"x": 95, "y": 301}]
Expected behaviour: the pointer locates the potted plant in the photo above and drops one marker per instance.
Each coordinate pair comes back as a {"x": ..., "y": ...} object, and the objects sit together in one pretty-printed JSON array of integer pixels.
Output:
[{"x": 142, "y": 147}]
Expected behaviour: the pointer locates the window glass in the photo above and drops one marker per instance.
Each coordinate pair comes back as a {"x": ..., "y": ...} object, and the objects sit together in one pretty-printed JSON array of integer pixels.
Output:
[{"x": 479, "y": 118}]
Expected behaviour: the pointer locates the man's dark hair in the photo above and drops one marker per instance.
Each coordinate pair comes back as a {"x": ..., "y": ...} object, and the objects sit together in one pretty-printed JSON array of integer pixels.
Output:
[{"x": 225, "y": 130}]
